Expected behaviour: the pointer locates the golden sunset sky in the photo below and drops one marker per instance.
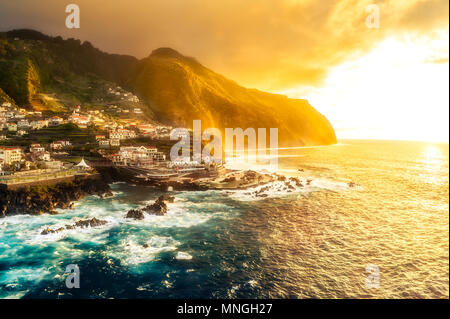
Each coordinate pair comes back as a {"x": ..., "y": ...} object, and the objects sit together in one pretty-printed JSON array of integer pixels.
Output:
[{"x": 389, "y": 82}]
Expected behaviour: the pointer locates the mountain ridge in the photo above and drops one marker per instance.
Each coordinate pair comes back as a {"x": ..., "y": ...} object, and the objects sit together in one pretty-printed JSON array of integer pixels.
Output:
[{"x": 177, "y": 89}]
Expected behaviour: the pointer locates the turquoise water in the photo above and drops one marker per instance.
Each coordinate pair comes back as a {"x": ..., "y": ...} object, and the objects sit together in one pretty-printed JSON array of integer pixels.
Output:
[{"x": 314, "y": 242}]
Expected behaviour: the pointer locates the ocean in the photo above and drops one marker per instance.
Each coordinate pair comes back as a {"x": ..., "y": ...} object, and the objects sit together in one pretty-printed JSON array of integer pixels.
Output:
[{"x": 314, "y": 241}]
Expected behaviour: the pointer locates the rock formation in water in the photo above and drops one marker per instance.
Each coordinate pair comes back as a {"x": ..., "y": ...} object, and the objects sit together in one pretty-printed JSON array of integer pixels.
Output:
[
  {"x": 84, "y": 223},
  {"x": 159, "y": 208}
]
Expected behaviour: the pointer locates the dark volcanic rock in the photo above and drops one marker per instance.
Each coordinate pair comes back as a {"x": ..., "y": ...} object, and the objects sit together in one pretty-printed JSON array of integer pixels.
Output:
[
  {"x": 158, "y": 208},
  {"x": 167, "y": 198},
  {"x": 48, "y": 230},
  {"x": 297, "y": 182},
  {"x": 94, "y": 222},
  {"x": 135, "y": 214},
  {"x": 38, "y": 200},
  {"x": 229, "y": 179}
]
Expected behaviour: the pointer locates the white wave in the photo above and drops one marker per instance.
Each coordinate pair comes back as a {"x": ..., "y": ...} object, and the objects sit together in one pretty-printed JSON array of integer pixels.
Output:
[
  {"x": 5, "y": 246},
  {"x": 183, "y": 256},
  {"x": 181, "y": 213},
  {"x": 322, "y": 183},
  {"x": 130, "y": 252},
  {"x": 15, "y": 276},
  {"x": 285, "y": 188},
  {"x": 115, "y": 194},
  {"x": 16, "y": 295},
  {"x": 87, "y": 234}
]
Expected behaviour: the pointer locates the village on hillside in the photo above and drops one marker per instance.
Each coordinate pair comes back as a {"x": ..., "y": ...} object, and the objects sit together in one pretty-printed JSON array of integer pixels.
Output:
[{"x": 36, "y": 148}]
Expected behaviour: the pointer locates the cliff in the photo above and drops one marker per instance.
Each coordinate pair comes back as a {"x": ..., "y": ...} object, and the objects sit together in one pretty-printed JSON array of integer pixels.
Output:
[{"x": 38, "y": 200}]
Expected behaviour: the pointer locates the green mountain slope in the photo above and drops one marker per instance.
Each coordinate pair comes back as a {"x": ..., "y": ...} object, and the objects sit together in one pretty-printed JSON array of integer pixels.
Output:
[
  {"x": 74, "y": 72},
  {"x": 176, "y": 89}
]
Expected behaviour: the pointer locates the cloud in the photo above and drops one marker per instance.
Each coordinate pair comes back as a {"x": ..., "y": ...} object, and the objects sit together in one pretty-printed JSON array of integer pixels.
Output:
[
  {"x": 425, "y": 15},
  {"x": 269, "y": 44},
  {"x": 437, "y": 60}
]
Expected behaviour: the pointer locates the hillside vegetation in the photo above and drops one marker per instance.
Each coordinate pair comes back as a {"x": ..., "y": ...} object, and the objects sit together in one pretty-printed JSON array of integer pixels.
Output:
[{"x": 176, "y": 89}]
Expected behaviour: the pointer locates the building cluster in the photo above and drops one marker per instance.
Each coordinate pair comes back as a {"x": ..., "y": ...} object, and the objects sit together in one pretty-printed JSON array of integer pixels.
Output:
[
  {"x": 123, "y": 95},
  {"x": 122, "y": 134},
  {"x": 114, "y": 137},
  {"x": 13, "y": 159},
  {"x": 154, "y": 131},
  {"x": 16, "y": 122},
  {"x": 19, "y": 121},
  {"x": 138, "y": 156},
  {"x": 9, "y": 156},
  {"x": 81, "y": 119},
  {"x": 91, "y": 117},
  {"x": 60, "y": 145}
]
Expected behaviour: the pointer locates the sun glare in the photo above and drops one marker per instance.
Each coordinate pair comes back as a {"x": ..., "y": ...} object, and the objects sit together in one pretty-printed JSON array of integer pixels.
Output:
[
  {"x": 433, "y": 160},
  {"x": 398, "y": 91}
]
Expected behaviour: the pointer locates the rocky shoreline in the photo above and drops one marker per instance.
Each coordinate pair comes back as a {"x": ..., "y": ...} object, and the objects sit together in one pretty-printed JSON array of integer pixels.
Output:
[
  {"x": 159, "y": 208},
  {"x": 237, "y": 180},
  {"x": 94, "y": 222},
  {"x": 38, "y": 200}
]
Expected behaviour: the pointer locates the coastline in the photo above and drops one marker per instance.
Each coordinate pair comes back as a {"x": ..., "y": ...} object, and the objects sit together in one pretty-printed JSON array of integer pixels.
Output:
[
  {"x": 45, "y": 199},
  {"x": 245, "y": 234},
  {"x": 38, "y": 200}
]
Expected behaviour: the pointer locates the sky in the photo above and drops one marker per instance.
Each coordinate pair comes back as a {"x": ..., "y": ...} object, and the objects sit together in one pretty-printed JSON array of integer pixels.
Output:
[{"x": 384, "y": 82}]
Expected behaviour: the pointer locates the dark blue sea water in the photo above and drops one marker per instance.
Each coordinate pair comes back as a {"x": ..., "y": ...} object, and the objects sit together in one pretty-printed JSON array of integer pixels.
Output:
[{"x": 314, "y": 242}]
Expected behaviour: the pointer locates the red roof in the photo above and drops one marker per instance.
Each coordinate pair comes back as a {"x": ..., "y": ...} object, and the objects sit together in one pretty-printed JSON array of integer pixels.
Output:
[{"x": 10, "y": 148}]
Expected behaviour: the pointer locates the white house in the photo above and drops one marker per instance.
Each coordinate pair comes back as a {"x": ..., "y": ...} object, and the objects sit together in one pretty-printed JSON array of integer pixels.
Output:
[
  {"x": 55, "y": 121},
  {"x": 36, "y": 148},
  {"x": 23, "y": 124},
  {"x": 59, "y": 145},
  {"x": 10, "y": 155},
  {"x": 12, "y": 127},
  {"x": 79, "y": 119},
  {"x": 104, "y": 143},
  {"x": 53, "y": 164}
]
